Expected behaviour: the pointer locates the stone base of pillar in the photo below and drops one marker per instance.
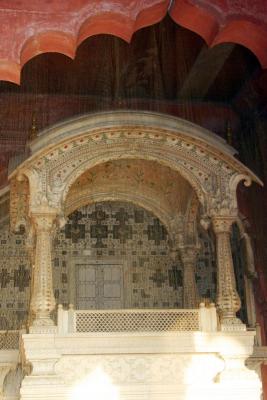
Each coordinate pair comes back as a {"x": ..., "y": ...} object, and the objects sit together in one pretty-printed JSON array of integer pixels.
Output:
[
  {"x": 232, "y": 325},
  {"x": 43, "y": 325},
  {"x": 43, "y": 329}
]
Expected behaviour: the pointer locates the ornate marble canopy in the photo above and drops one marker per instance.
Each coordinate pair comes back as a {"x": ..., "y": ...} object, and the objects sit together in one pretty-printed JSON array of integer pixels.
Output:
[{"x": 78, "y": 161}]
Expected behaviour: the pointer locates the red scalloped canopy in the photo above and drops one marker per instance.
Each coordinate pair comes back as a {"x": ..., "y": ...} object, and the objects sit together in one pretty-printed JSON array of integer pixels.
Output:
[{"x": 32, "y": 27}]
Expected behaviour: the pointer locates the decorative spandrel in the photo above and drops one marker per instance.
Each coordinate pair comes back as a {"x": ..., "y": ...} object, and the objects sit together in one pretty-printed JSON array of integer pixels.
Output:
[{"x": 19, "y": 203}]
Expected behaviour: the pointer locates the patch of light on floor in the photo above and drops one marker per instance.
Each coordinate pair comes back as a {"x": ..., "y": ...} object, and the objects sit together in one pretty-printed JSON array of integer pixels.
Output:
[{"x": 96, "y": 386}]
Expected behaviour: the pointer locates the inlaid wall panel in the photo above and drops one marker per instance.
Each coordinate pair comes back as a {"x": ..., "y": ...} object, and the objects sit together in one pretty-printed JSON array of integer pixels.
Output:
[{"x": 108, "y": 233}]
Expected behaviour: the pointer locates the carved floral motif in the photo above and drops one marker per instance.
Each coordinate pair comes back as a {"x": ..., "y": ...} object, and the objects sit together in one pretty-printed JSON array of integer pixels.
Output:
[{"x": 142, "y": 369}]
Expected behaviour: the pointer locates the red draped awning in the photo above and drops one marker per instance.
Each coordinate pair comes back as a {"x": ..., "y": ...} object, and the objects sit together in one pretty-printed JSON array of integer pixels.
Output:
[{"x": 31, "y": 27}]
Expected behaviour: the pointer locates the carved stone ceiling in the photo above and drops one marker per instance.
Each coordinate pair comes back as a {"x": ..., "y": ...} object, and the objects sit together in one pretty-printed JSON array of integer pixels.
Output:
[{"x": 146, "y": 179}]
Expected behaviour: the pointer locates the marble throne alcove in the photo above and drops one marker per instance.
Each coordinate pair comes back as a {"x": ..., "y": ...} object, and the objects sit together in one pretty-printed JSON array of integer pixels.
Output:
[
  {"x": 186, "y": 177},
  {"x": 124, "y": 212}
]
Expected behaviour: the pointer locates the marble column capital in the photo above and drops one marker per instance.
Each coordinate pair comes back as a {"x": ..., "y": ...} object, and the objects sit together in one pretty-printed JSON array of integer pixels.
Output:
[
  {"x": 222, "y": 224},
  {"x": 43, "y": 221},
  {"x": 188, "y": 254}
]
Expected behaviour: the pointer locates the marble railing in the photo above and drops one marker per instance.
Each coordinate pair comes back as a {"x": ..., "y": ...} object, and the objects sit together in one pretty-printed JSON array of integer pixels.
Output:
[
  {"x": 137, "y": 320},
  {"x": 145, "y": 354},
  {"x": 9, "y": 340}
]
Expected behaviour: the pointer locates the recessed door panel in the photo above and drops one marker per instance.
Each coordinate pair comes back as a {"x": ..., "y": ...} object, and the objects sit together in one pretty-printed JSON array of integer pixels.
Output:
[{"x": 99, "y": 286}]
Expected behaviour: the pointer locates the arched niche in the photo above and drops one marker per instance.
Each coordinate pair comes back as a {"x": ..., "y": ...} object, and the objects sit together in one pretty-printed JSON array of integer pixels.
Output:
[
  {"x": 153, "y": 186},
  {"x": 168, "y": 201}
]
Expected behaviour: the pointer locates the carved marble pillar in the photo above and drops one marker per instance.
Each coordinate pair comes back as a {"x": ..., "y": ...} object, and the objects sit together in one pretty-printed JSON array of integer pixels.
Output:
[
  {"x": 190, "y": 292},
  {"x": 228, "y": 300},
  {"x": 43, "y": 300}
]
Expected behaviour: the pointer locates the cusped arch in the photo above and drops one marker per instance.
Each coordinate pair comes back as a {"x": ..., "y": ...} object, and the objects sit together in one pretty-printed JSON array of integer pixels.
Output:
[
  {"x": 122, "y": 19},
  {"x": 227, "y": 29},
  {"x": 236, "y": 32},
  {"x": 115, "y": 24},
  {"x": 48, "y": 42},
  {"x": 194, "y": 18},
  {"x": 68, "y": 27},
  {"x": 118, "y": 22}
]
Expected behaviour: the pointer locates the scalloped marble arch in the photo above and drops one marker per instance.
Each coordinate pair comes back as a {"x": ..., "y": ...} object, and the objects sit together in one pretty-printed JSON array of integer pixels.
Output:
[
  {"x": 62, "y": 153},
  {"x": 28, "y": 37}
]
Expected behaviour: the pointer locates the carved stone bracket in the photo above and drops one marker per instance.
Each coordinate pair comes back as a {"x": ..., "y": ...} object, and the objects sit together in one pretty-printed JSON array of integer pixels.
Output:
[
  {"x": 237, "y": 370},
  {"x": 4, "y": 370}
]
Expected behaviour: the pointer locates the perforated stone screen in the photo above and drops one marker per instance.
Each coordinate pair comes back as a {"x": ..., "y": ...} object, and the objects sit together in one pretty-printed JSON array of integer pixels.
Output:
[
  {"x": 136, "y": 320},
  {"x": 9, "y": 340}
]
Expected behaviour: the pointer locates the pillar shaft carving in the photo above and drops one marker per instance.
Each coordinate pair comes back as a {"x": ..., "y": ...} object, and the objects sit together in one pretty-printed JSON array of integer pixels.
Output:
[
  {"x": 190, "y": 292},
  {"x": 43, "y": 300},
  {"x": 228, "y": 300}
]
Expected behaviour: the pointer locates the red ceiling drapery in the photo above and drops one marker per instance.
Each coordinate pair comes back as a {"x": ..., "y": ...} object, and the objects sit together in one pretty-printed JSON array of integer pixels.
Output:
[{"x": 29, "y": 28}]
